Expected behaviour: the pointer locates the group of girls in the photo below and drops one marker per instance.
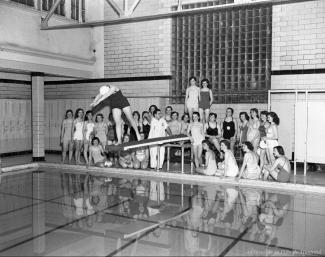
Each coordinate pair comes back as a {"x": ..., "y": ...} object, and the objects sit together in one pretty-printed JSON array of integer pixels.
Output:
[{"x": 256, "y": 136}]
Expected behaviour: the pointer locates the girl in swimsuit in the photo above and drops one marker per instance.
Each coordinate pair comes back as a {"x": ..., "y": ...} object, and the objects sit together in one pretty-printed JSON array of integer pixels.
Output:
[
  {"x": 250, "y": 168},
  {"x": 213, "y": 130},
  {"x": 131, "y": 131},
  {"x": 229, "y": 167},
  {"x": 243, "y": 127},
  {"x": 152, "y": 108},
  {"x": 78, "y": 137},
  {"x": 192, "y": 97},
  {"x": 196, "y": 134},
  {"x": 145, "y": 124},
  {"x": 264, "y": 124},
  {"x": 229, "y": 128},
  {"x": 96, "y": 154},
  {"x": 280, "y": 170},
  {"x": 206, "y": 100},
  {"x": 184, "y": 124},
  {"x": 210, "y": 160},
  {"x": 141, "y": 157},
  {"x": 101, "y": 129},
  {"x": 253, "y": 134},
  {"x": 88, "y": 132},
  {"x": 168, "y": 113},
  {"x": 66, "y": 135},
  {"x": 113, "y": 97},
  {"x": 271, "y": 138},
  {"x": 174, "y": 124}
]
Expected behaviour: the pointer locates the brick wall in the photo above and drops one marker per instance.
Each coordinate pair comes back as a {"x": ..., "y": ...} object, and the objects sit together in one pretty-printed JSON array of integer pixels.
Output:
[{"x": 298, "y": 36}]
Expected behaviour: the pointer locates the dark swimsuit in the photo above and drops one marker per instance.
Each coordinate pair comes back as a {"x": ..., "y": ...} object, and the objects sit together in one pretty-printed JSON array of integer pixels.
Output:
[
  {"x": 116, "y": 100},
  {"x": 133, "y": 135},
  {"x": 212, "y": 131},
  {"x": 262, "y": 131},
  {"x": 146, "y": 130},
  {"x": 228, "y": 129}
]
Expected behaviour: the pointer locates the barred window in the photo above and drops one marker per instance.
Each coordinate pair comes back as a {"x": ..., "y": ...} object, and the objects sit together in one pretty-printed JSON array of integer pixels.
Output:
[
  {"x": 25, "y": 2},
  {"x": 47, "y": 4},
  {"x": 83, "y": 10},
  {"x": 230, "y": 47},
  {"x": 75, "y": 9}
]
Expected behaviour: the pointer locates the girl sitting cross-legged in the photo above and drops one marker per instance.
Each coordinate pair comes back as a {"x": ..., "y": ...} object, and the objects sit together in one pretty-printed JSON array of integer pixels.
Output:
[{"x": 96, "y": 154}]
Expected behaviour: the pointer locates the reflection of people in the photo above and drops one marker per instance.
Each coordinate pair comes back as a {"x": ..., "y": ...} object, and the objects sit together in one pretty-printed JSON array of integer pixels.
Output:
[
  {"x": 113, "y": 97},
  {"x": 281, "y": 168}
]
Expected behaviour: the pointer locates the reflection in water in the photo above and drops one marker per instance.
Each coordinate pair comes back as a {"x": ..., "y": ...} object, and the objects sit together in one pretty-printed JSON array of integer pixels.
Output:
[{"x": 98, "y": 216}]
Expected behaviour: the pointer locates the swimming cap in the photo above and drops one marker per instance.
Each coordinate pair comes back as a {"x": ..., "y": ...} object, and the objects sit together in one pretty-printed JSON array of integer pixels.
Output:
[{"x": 103, "y": 90}]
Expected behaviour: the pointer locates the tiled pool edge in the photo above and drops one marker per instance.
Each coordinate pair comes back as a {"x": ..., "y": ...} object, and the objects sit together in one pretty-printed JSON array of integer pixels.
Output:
[{"x": 190, "y": 179}]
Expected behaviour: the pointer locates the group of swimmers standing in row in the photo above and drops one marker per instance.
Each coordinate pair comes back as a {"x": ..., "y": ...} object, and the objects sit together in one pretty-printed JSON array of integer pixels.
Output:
[{"x": 257, "y": 134}]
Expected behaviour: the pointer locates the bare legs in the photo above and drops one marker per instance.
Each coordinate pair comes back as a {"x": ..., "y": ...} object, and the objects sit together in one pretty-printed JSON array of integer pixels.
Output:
[
  {"x": 128, "y": 113},
  {"x": 197, "y": 154},
  {"x": 117, "y": 115},
  {"x": 86, "y": 146},
  {"x": 204, "y": 114},
  {"x": 78, "y": 144}
]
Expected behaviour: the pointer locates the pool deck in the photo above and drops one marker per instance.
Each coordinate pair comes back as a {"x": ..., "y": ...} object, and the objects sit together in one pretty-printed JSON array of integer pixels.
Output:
[{"x": 314, "y": 182}]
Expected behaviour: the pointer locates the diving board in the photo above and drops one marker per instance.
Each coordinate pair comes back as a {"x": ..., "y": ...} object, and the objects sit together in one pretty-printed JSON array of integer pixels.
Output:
[{"x": 146, "y": 142}]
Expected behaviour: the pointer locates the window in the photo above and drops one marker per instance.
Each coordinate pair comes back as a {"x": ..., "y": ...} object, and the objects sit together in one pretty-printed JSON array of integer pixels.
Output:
[
  {"x": 75, "y": 9},
  {"x": 47, "y": 4},
  {"x": 83, "y": 10},
  {"x": 230, "y": 47},
  {"x": 25, "y": 2}
]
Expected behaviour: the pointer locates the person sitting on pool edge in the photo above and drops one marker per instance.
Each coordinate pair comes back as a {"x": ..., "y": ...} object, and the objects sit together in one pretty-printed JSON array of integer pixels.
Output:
[
  {"x": 141, "y": 156},
  {"x": 126, "y": 157},
  {"x": 96, "y": 154},
  {"x": 229, "y": 167},
  {"x": 280, "y": 170}
]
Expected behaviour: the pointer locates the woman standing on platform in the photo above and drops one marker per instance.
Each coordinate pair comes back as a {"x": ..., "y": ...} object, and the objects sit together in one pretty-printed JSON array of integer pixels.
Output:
[
  {"x": 206, "y": 100},
  {"x": 101, "y": 129},
  {"x": 271, "y": 138},
  {"x": 88, "y": 131},
  {"x": 113, "y": 97},
  {"x": 78, "y": 135},
  {"x": 229, "y": 128},
  {"x": 192, "y": 97},
  {"x": 66, "y": 135},
  {"x": 253, "y": 134},
  {"x": 196, "y": 134}
]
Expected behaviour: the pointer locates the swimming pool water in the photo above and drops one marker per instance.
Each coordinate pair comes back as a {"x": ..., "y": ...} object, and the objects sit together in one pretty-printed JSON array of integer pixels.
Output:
[{"x": 60, "y": 213}]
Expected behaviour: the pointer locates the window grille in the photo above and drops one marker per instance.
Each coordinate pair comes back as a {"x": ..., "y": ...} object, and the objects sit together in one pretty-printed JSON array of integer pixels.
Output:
[
  {"x": 25, "y": 2},
  {"x": 47, "y": 4},
  {"x": 230, "y": 47},
  {"x": 75, "y": 9}
]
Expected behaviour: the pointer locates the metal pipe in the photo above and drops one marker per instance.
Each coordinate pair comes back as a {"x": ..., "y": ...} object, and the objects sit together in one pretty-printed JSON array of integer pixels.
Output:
[
  {"x": 169, "y": 14},
  {"x": 306, "y": 135},
  {"x": 50, "y": 13}
]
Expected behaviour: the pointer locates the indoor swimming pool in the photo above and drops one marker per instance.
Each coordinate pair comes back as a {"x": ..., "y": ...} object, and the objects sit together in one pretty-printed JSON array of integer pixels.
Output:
[{"x": 52, "y": 212}]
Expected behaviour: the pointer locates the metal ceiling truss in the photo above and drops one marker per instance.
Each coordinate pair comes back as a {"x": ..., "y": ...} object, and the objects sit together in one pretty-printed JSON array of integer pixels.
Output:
[{"x": 126, "y": 12}]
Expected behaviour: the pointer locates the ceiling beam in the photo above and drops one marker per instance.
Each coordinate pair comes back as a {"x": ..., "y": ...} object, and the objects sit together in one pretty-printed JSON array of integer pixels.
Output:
[
  {"x": 45, "y": 21},
  {"x": 170, "y": 14}
]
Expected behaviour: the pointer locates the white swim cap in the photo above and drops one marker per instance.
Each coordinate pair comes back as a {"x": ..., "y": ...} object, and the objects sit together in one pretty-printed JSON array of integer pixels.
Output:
[{"x": 103, "y": 90}]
